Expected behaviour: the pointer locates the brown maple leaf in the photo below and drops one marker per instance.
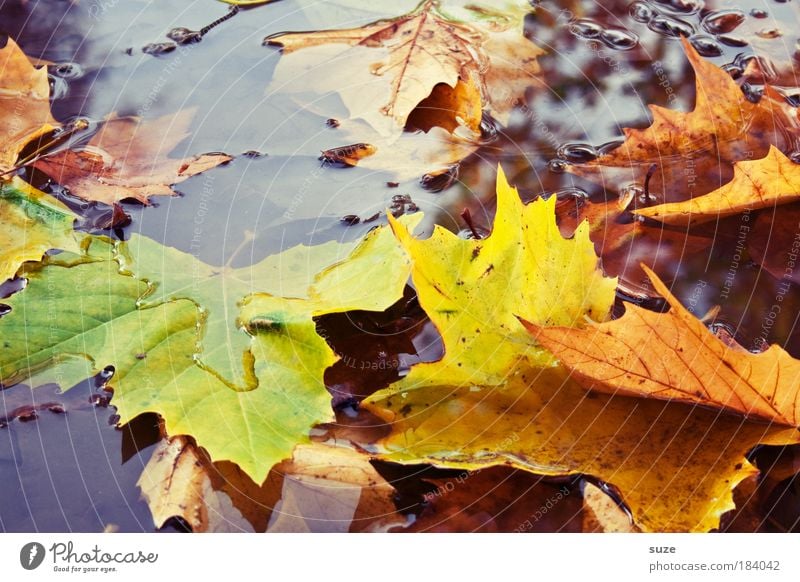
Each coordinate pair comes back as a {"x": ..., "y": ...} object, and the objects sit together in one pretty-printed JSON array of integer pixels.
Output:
[
  {"x": 393, "y": 65},
  {"x": 24, "y": 104},
  {"x": 127, "y": 158},
  {"x": 674, "y": 356}
]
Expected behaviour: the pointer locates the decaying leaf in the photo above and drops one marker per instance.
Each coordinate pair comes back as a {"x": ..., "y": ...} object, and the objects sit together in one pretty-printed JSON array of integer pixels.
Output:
[
  {"x": 128, "y": 158},
  {"x": 31, "y": 223},
  {"x": 156, "y": 338},
  {"x": 674, "y": 356},
  {"x": 472, "y": 289},
  {"x": 24, "y": 104},
  {"x": 333, "y": 489},
  {"x": 393, "y": 65},
  {"x": 675, "y": 465},
  {"x": 175, "y": 483},
  {"x": 756, "y": 184}
]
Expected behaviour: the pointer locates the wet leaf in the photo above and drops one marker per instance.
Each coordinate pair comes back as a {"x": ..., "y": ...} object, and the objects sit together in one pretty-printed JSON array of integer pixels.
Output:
[
  {"x": 166, "y": 337},
  {"x": 175, "y": 483},
  {"x": 756, "y": 184},
  {"x": 472, "y": 290},
  {"x": 333, "y": 489},
  {"x": 393, "y": 65},
  {"x": 674, "y": 356},
  {"x": 128, "y": 159},
  {"x": 694, "y": 150},
  {"x": 24, "y": 104},
  {"x": 31, "y": 223},
  {"x": 674, "y": 465}
]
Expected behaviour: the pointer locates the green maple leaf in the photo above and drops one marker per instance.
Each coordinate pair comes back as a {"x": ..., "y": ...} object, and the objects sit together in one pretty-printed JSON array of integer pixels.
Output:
[{"x": 247, "y": 388}]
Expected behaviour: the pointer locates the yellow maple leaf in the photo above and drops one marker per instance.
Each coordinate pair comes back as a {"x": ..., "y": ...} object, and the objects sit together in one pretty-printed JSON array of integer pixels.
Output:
[
  {"x": 756, "y": 184},
  {"x": 473, "y": 289}
]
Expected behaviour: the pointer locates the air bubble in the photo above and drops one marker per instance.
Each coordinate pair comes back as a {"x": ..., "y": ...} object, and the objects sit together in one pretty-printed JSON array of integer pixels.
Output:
[
  {"x": 619, "y": 39},
  {"x": 585, "y": 28},
  {"x": 641, "y": 12},
  {"x": 577, "y": 153},
  {"x": 723, "y": 21},
  {"x": 669, "y": 26},
  {"x": 707, "y": 46}
]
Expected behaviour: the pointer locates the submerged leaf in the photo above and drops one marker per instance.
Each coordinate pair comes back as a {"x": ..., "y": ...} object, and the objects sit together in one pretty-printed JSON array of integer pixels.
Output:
[
  {"x": 393, "y": 65},
  {"x": 127, "y": 158}
]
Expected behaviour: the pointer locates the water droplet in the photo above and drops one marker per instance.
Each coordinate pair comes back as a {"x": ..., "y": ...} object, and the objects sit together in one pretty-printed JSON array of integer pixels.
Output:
[
  {"x": 723, "y": 21},
  {"x": 795, "y": 157},
  {"x": 769, "y": 33},
  {"x": 752, "y": 93},
  {"x": 577, "y": 153},
  {"x": 669, "y": 26},
  {"x": 107, "y": 373},
  {"x": 682, "y": 6},
  {"x": 758, "y": 13},
  {"x": 350, "y": 219},
  {"x": 609, "y": 146},
  {"x": 585, "y": 28},
  {"x": 67, "y": 70},
  {"x": 735, "y": 71},
  {"x": 619, "y": 39},
  {"x": 4, "y": 309},
  {"x": 56, "y": 408},
  {"x": 732, "y": 40},
  {"x": 707, "y": 46},
  {"x": 557, "y": 166},
  {"x": 641, "y": 12},
  {"x": 467, "y": 234},
  {"x": 27, "y": 414},
  {"x": 58, "y": 87}
]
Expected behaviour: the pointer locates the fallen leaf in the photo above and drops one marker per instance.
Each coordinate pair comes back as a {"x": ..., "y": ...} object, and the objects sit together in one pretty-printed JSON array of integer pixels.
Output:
[
  {"x": 601, "y": 514},
  {"x": 175, "y": 483},
  {"x": 693, "y": 151},
  {"x": 674, "y": 356},
  {"x": 472, "y": 289},
  {"x": 394, "y": 65},
  {"x": 24, "y": 104},
  {"x": 164, "y": 336},
  {"x": 675, "y": 465},
  {"x": 127, "y": 159},
  {"x": 756, "y": 184},
  {"x": 31, "y": 223},
  {"x": 333, "y": 489}
]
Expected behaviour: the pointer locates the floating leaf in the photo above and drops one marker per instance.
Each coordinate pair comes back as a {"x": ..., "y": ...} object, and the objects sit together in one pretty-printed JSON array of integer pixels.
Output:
[
  {"x": 756, "y": 184},
  {"x": 154, "y": 335},
  {"x": 24, "y": 104},
  {"x": 31, "y": 223},
  {"x": 473, "y": 289},
  {"x": 127, "y": 158},
  {"x": 674, "y": 356}
]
